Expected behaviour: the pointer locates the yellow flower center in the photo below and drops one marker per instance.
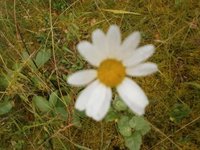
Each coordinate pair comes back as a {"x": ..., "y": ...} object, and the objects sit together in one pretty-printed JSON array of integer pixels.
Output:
[{"x": 111, "y": 72}]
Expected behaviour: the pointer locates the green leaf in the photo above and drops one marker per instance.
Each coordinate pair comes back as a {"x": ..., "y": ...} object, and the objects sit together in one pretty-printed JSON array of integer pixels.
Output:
[
  {"x": 179, "y": 112},
  {"x": 53, "y": 99},
  {"x": 41, "y": 103},
  {"x": 27, "y": 58},
  {"x": 111, "y": 116},
  {"x": 76, "y": 120},
  {"x": 81, "y": 114},
  {"x": 124, "y": 120},
  {"x": 5, "y": 107},
  {"x": 125, "y": 131},
  {"x": 119, "y": 105},
  {"x": 132, "y": 123},
  {"x": 62, "y": 112},
  {"x": 36, "y": 81},
  {"x": 124, "y": 127},
  {"x": 66, "y": 99},
  {"x": 42, "y": 57},
  {"x": 3, "y": 81},
  {"x": 139, "y": 124},
  {"x": 134, "y": 142}
]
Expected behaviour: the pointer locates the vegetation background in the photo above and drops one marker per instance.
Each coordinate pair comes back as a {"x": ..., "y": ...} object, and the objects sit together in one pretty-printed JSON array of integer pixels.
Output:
[{"x": 38, "y": 50}]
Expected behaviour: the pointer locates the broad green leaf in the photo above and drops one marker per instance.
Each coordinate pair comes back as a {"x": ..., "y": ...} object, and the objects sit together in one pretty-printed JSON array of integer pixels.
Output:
[
  {"x": 125, "y": 131},
  {"x": 132, "y": 123},
  {"x": 41, "y": 103},
  {"x": 66, "y": 99},
  {"x": 60, "y": 103},
  {"x": 36, "y": 81},
  {"x": 139, "y": 124},
  {"x": 63, "y": 102},
  {"x": 111, "y": 116},
  {"x": 124, "y": 127},
  {"x": 3, "y": 82},
  {"x": 134, "y": 141},
  {"x": 119, "y": 105},
  {"x": 5, "y": 107},
  {"x": 62, "y": 112},
  {"x": 76, "y": 120},
  {"x": 28, "y": 59},
  {"x": 42, "y": 57},
  {"x": 179, "y": 112},
  {"x": 81, "y": 114},
  {"x": 124, "y": 120},
  {"x": 53, "y": 99}
]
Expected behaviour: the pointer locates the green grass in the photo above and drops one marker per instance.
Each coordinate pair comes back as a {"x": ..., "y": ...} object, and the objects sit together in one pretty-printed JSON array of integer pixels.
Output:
[{"x": 28, "y": 27}]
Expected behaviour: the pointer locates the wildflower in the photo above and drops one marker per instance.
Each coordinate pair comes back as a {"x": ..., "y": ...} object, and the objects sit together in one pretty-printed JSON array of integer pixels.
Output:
[{"x": 115, "y": 62}]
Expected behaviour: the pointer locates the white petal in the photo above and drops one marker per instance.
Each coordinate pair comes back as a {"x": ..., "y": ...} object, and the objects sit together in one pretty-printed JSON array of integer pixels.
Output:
[
  {"x": 114, "y": 36},
  {"x": 133, "y": 96},
  {"x": 103, "y": 109},
  {"x": 113, "y": 40},
  {"x": 83, "y": 98},
  {"x": 97, "y": 100},
  {"x": 89, "y": 53},
  {"x": 130, "y": 44},
  {"x": 98, "y": 38},
  {"x": 139, "y": 55},
  {"x": 82, "y": 77},
  {"x": 100, "y": 43},
  {"x": 142, "y": 69}
]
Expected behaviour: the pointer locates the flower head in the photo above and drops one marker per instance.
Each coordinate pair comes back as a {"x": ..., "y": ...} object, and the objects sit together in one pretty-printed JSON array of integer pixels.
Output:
[{"x": 115, "y": 62}]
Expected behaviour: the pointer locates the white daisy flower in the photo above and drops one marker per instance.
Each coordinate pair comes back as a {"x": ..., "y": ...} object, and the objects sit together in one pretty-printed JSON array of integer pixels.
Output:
[{"x": 114, "y": 63}]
